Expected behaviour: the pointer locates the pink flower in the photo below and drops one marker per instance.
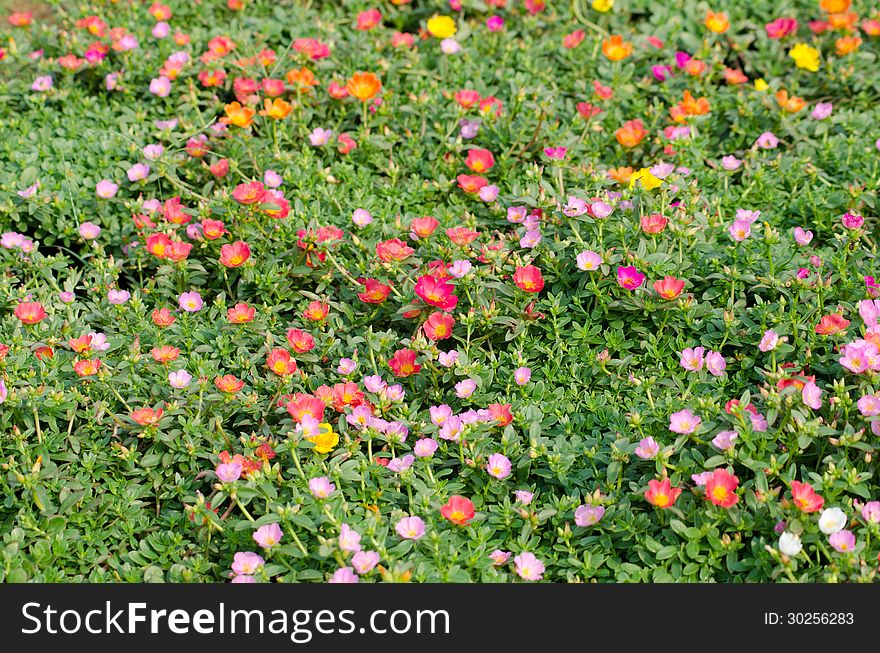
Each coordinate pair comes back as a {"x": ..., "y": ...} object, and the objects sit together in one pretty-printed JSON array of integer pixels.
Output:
[
  {"x": 246, "y": 563},
  {"x": 489, "y": 193},
  {"x": 692, "y": 359},
  {"x": 524, "y": 496},
  {"x": 601, "y": 210},
  {"x": 684, "y": 422},
  {"x": 228, "y": 472},
  {"x": 648, "y": 448},
  {"x": 160, "y": 86},
  {"x": 191, "y": 302},
  {"x": 842, "y": 541},
  {"x": 138, "y": 172},
  {"x": 361, "y": 217},
  {"x": 822, "y": 110},
  {"x": 89, "y": 230},
  {"x": 42, "y": 84},
  {"x": 629, "y": 277},
  {"x": 769, "y": 340},
  {"x": 425, "y": 448},
  {"x": 364, "y": 561},
  {"x": 118, "y": 297},
  {"x": 589, "y": 261},
  {"x": 401, "y": 463},
  {"x": 105, "y": 189},
  {"x": 767, "y": 141},
  {"x": 811, "y": 395},
  {"x": 802, "y": 237},
  {"x": 465, "y": 388},
  {"x": 521, "y": 375},
  {"x": 871, "y": 512},
  {"x": 730, "y": 163},
  {"x": 268, "y": 536},
  {"x": 349, "y": 539},
  {"x": 410, "y": 528},
  {"x": 715, "y": 363},
  {"x": 498, "y": 466},
  {"x": 321, "y": 487},
  {"x": 740, "y": 230},
  {"x": 528, "y": 567},
  {"x": 724, "y": 440},
  {"x": 499, "y": 557},
  {"x": 869, "y": 405},
  {"x": 588, "y": 515},
  {"x": 343, "y": 575},
  {"x": 869, "y": 310}
]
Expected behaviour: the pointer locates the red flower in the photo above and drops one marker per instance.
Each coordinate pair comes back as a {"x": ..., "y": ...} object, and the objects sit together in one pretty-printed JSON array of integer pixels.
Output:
[
  {"x": 458, "y": 510},
  {"x": 30, "y": 312},
  {"x": 721, "y": 488},
  {"x": 403, "y": 363},
  {"x": 669, "y": 287},
  {"x": 375, "y": 292},
  {"x": 587, "y": 110},
  {"x": 436, "y": 292},
  {"x": 439, "y": 326},
  {"x": 300, "y": 341},
  {"x": 831, "y": 324},
  {"x": 280, "y": 362},
  {"x": 393, "y": 250},
  {"x": 805, "y": 497},
  {"x": 501, "y": 413},
  {"x": 661, "y": 493},
  {"x": 235, "y": 255},
  {"x": 479, "y": 160},
  {"x": 528, "y": 278},
  {"x": 146, "y": 416}
]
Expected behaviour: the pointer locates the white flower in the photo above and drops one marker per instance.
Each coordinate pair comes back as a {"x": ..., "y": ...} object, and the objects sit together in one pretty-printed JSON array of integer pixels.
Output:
[
  {"x": 790, "y": 544},
  {"x": 832, "y": 520}
]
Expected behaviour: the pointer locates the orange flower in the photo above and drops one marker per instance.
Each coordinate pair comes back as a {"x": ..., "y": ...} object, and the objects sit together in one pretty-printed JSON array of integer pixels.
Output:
[
  {"x": 622, "y": 174},
  {"x": 792, "y": 104},
  {"x": 717, "y": 22},
  {"x": 834, "y": 6},
  {"x": 735, "y": 77},
  {"x": 301, "y": 78},
  {"x": 316, "y": 311},
  {"x": 363, "y": 86},
  {"x": 87, "y": 367},
  {"x": 277, "y": 109},
  {"x": 689, "y": 106},
  {"x": 631, "y": 133},
  {"x": 615, "y": 48},
  {"x": 165, "y": 354},
  {"x": 845, "y": 21},
  {"x": 146, "y": 416},
  {"x": 831, "y": 324},
  {"x": 238, "y": 115},
  {"x": 847, "y": 44},
  {"x": 280, "y": 362},
  {"x": 228, "y": 384}
]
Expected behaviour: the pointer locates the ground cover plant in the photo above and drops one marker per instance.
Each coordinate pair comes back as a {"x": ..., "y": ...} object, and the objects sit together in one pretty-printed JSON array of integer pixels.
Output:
[{"x": 466, "y": 291}]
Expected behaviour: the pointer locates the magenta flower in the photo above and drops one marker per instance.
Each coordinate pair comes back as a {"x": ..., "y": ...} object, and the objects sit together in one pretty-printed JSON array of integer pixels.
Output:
[
  {"x": 494, "y": 23},
  {"x": 247, "y": 563},
  {"x": 321, "y": 487},
  {"x": 556, "y": 153},
  {"x": 851, "y": 221},
  {"x": 684, "y": 422},
  {"x": 410, "y": 528},
  {"x": 528, "y": 567},
  {"x": 629, "y": 277},
  {"x": 588, "y": 515},
  {"x": 499, "y": 466},
  {"x": 268, "y": 536}
]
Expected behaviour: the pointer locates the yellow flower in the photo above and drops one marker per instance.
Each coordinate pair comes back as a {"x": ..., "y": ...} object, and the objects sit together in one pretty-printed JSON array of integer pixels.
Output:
[
  {"x": 603, "y": 5},
  {"x": 441, "y": 27},
  {"x": 647, "y": 180},
  {"x": 805, "y": 57},
  {"x": 761, "y": 85},
  {"x": 326, "y": 440}
]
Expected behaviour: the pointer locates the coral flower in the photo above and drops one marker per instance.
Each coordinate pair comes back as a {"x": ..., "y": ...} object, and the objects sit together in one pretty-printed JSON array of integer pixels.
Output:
[
  {"x": 615, "y": 48},
  {"x": 238, "y": 115},
  {"x": 393, "y": 250},
  {"x": 304, "y": 404},
  {"x": 280, "y": 362},
  {"x": 87, "y": 367},
  {"x": 363, "y": 86},
  {"x": 316, "y": 311},
  {"x": 423, "y": 227},
  {"x": 528, "y": 278},
  {"x": 228, "y": 384},
  {"x": 846, "y": 45},
  {"x": 789, "y": 103},
  {"x": 631, "y": 133},
  {"x": 479, "y": 160},
  {"x": 234, "y": 255},
  {"x": 653, "y": 224},
  {"x": 438, "y": 326},
  {"x": 721, "y": 488},
  {"x": 669, "y": 287},
  {"x": 574, "y": 39},
  {"x": 249, "y": 192},
  {"x": 805, "y": 497},
  {"x": 300, "y": 341},
  {"x": 147, "y": 416},
  {"x": 629, "y": 277},
  {"x": 241, "y": 313},
  {"x": 436, "y": 292},
  {"x": 375, "y": 292},
  {"x": 717, "y": 22},
  {"x": 458, "y": 510},
  {"x": 165, "y": 354},
  {"x": 403, "y": 363},
  {"x": 661, "y": 493},
  {"x": 30, "y": 312},
  {"x": 472, "y": 184},
  {"x": 831, "y": 324},
  {"x": 500, "y": 413}
]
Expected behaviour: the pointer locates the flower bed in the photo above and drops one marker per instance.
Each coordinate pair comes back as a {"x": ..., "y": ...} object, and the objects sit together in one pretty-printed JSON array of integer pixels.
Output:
[{"x": 440, "y": 291}]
